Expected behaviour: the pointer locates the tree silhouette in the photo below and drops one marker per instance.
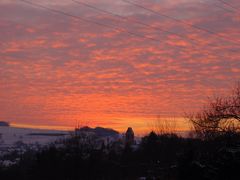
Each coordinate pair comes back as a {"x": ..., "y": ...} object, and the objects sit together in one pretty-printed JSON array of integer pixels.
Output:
[{"x": 220, "y": 116}]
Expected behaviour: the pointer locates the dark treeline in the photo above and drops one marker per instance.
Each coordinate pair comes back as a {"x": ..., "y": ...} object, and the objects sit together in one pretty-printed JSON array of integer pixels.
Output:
[
  {"x": 165, "y": 156},
  {"x": 213, "y": 153}
]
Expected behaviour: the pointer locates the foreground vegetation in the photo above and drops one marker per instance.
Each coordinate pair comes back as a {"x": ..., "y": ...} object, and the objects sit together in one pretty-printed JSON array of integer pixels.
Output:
[
  {"x": 163, "y": 156},
  {"x": 212, "y": 154}
]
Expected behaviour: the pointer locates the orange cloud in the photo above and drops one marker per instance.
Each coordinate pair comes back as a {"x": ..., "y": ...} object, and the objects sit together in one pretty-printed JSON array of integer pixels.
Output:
[{"x": 56, "y": 70}]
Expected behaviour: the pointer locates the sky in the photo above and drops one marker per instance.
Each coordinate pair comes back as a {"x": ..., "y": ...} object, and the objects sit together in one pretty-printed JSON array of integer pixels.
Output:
[{"x": 114, "y": 63}]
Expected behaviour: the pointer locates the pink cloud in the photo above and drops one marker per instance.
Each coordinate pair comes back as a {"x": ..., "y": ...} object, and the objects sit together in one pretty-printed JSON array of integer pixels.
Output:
[{"x": 56, "y": 70}]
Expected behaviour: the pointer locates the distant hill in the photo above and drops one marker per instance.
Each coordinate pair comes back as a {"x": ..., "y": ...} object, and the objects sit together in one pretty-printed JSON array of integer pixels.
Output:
[
  {"x": 4, "y": 124},
  {"x": 99, "y": 131}
]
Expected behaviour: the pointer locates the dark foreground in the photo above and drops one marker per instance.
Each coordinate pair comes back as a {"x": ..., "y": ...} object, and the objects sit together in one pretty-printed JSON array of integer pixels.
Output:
[{"x": 156, "y": 157}]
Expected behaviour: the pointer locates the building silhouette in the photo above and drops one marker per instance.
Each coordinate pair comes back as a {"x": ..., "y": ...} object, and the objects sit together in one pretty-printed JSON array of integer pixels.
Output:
[{"x": 129, "y": 137}]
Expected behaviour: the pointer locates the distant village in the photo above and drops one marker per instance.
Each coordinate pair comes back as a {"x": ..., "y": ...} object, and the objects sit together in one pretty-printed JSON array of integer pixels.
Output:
[
  {"x": 19, "y": 141},
  {"x": 108, "y": 137}
]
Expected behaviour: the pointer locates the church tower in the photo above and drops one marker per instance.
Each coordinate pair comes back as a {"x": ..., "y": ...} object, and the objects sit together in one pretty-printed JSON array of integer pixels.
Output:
[{"x": 129, "y": 136}]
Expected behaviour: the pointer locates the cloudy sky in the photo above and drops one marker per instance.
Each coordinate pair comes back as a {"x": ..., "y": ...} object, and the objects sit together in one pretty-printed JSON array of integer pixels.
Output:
[{"x": 114, "y": 63}]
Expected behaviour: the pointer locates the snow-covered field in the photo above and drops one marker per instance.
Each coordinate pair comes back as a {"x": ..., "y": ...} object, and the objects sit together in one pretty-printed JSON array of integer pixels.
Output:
[
  {"x": 11, "y": 136},
  {"x": 19, "y": 140}
]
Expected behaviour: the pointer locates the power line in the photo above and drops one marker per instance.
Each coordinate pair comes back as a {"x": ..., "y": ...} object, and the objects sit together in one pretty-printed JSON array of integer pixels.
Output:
[
  {"x": 135, "y": 21},
  {"x": 183, "y": 22},
  {"x": 88, "y": 20},
  {"x": 228, "y": 4},
  {"x": 100, "y": 24},
  {"x": 139, "y": 22},
  {"x": 83, "y": 19},
  {"x": 93, "y": 22},
  {"x": 206, "y": 53},
  {"x": 216, "y": 5},
  {"x": 176, "y": 18}
]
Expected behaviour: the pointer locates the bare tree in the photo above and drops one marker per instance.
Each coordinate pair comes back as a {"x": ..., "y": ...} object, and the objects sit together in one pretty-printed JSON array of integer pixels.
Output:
[
  {"x": 164, "y": 125},
  {"x": 221, "y": 115}
]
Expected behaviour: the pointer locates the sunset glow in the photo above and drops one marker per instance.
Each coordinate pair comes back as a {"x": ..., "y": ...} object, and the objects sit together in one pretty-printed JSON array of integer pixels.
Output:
[{"x": 92, "y": 68}]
